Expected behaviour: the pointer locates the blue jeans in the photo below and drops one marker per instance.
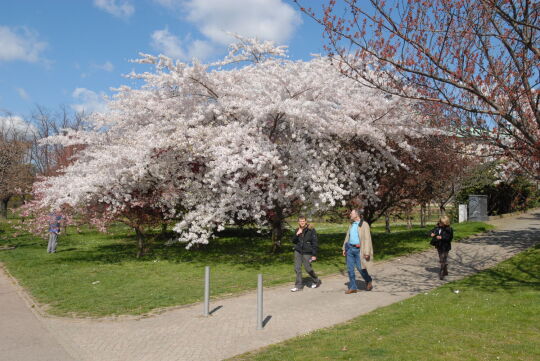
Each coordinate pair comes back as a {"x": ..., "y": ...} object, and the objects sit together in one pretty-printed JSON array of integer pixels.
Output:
[
  {"x": 53, "y": 240},
  {"x": 354, "y": 261}
]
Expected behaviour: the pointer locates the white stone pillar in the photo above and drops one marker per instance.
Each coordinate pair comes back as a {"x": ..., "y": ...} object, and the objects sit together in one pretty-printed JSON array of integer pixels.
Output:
[{"x": 462, "y": 213}]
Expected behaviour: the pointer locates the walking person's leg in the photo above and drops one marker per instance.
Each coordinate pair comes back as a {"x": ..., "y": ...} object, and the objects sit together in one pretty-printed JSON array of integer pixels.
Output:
[
  {"x": 363, "y": 272},
  {"x": 352, "y": 258},
  {"x": 54, "y": 241},
  {"x": 309, "y": 269},
  {"x": 367, "y": 278},
  {"x": 49, "y": 243},
  {"x": 441, "y": 262},
  {"x": 298, "y": 270},
  {"x": 445, "y": 263}
]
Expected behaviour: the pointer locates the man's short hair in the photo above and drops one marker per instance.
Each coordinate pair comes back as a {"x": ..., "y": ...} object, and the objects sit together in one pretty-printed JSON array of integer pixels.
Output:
[
  {"x": 359, "y": 211},
  {"x": 302, "y": 217}
]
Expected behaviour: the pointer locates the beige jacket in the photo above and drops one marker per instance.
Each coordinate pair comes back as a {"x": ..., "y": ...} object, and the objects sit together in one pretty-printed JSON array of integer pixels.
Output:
[{"x": 366, "y": 247}]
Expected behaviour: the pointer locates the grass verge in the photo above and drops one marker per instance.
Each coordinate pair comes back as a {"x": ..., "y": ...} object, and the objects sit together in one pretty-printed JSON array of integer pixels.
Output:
[{"x": 494, "y": 316}]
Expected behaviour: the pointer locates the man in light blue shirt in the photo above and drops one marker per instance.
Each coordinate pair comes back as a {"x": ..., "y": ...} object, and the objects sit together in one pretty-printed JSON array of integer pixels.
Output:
[
  {"x": 354, "y": 238},
  {"x": 358, "y": 250}
]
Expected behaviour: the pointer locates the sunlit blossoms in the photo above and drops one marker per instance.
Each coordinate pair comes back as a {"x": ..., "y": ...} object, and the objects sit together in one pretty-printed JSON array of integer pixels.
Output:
[{"x": 253, "y": 138}]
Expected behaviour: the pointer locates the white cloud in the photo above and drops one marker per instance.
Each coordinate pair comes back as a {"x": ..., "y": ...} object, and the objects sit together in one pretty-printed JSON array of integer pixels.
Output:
[
  {"x": 20, "y": 43},
  {"x": 171, "y": 46},
  {"x": 124, "y": 8},
  {"x": 22, "y": 93},
  {"x": 15, "y": 124},
  {"x": 265, "y": 19},
  {"x": 107, "y": 66},
  {"x": 90, "y": 101},
  {"x": 200, "y": 49},
  {"x": 216, "y": 19},
  {"x": 168, "y": 44}
]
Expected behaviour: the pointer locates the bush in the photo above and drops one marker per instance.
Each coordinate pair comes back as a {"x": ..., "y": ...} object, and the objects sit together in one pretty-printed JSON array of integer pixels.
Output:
[{"x": 504, "y": 196}]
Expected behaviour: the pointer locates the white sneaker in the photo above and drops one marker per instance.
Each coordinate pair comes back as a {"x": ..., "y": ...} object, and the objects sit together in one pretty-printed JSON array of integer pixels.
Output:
[{"x": 296, "y": 289}]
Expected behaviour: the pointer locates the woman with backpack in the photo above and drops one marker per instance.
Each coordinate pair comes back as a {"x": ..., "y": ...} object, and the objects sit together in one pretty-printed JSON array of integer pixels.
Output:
[{"x": 441, "y": 238}]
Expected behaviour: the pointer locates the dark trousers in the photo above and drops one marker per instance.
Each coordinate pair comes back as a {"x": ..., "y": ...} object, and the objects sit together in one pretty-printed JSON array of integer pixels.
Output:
[
  {"x": 299, "y": 260},
  {"x": 354, "y": 260},
  {"x": 443, "y": 257}
]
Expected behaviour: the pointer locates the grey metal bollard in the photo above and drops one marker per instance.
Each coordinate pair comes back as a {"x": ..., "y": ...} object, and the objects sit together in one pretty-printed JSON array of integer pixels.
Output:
[
  {"x": 206, "y": 310},
  {"x": 260, "y": 302}
]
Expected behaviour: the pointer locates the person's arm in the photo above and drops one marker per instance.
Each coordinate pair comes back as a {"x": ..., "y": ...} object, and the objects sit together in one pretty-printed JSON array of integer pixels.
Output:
[
  {"x": 345, "y": 242},
  {"x": 447, "y": 234},
  {"x": 368, "y": 246}
]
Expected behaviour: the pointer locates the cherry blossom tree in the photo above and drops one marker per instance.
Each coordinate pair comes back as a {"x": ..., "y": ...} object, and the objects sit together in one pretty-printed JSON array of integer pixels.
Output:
[
  {"x": 253, "y": 138},
  {"x": 16, "y": 174},
  {"x": 478, "y": 60},
  {"x": 435, "y": 172}
]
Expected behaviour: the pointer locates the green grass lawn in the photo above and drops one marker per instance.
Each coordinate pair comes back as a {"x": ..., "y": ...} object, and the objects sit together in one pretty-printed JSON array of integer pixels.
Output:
[
  {"x": 495, "y": 316},
  {"x": 95, "y": 274}
]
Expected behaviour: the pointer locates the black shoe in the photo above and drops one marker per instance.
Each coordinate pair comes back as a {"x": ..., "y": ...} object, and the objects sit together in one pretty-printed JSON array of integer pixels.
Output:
[{"x": 316, "y": 284}]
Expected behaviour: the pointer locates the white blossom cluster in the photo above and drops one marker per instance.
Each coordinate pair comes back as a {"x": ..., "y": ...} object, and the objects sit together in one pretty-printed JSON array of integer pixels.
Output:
[{"x": 240, "y": 140}]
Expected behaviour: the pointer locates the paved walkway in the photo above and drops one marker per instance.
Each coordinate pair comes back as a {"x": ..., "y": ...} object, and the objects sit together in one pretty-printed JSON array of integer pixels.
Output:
[
  {"x": 23, "y": 335},
  {"x": 182, "y": 334}
]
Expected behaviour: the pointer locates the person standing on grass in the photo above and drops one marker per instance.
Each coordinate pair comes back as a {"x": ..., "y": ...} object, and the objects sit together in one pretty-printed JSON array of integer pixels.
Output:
[
  {"x": 305, "y": 252},
  {"x": 359, "y": 251},
  {"x": 54, "y": 231},
  {"x": 441, "y": 238}
]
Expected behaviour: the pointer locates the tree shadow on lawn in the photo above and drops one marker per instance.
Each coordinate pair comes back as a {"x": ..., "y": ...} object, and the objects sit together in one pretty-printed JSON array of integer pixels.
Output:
[
  {"x": 239, "y": 246},
  {"x": 388, "y": 245},
  {"x": 245, "y": 247},
  {"x": 517, "y": 274},
  {"x": 511, "y": 239},
  {"x": 107, "y": 254}
]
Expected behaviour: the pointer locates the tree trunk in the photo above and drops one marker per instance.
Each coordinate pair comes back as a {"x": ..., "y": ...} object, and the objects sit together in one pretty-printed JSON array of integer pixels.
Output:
[
  {"x": 140, "y": 242},
  {"x": 428, "y": 212},
  {"x": 423, "y": 215},
  {"x": 387, "y": 223},
  {"x": 23, "y": 200},
  {"x": 277, "y": 230},
  {"x": 442, "y": 210},
  {"x": 4, "y": 207},
  {"x": 409, "y": 219}
]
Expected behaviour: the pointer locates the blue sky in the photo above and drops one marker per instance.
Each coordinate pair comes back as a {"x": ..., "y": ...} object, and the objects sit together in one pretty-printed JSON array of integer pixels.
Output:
[{"x": 70, "y": 52}]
